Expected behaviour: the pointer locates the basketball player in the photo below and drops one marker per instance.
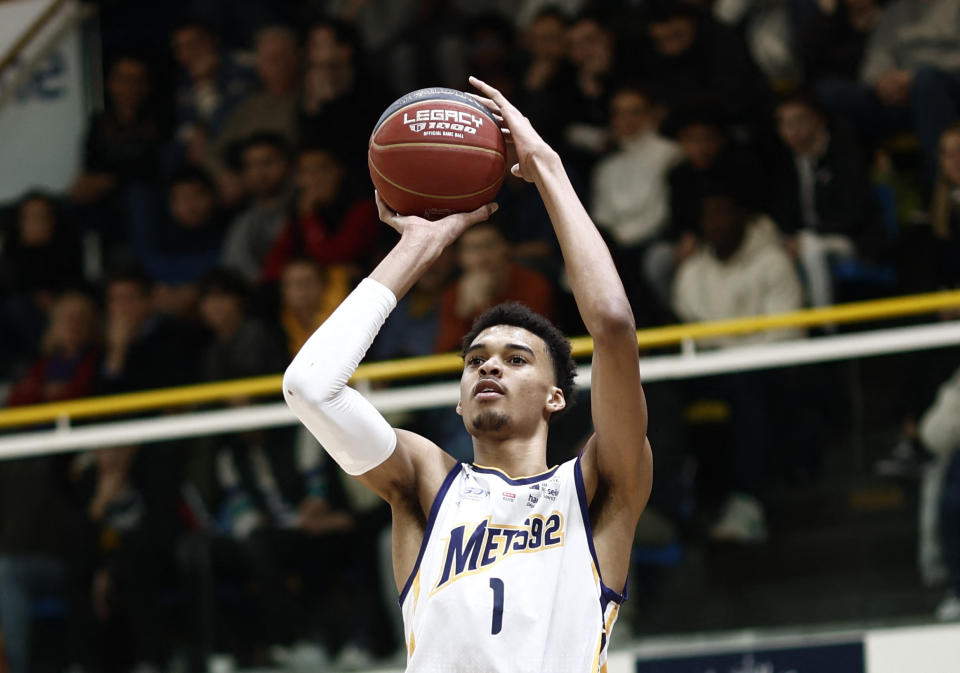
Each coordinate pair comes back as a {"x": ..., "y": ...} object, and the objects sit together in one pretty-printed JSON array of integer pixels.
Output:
[{"x": 503, "y": 564}]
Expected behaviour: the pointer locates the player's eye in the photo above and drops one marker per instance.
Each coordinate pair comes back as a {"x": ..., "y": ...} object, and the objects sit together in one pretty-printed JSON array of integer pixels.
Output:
[
  {"x": 517, "y": 360},
  {"x": 475, "y": 361}
]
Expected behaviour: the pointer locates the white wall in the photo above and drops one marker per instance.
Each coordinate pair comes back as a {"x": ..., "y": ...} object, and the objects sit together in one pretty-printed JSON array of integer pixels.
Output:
[{"x": 42, "y": 122}]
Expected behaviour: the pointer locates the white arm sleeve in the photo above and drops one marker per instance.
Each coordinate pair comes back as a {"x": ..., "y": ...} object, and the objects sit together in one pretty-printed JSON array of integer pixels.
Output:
[{"x": 315, "y": 384}]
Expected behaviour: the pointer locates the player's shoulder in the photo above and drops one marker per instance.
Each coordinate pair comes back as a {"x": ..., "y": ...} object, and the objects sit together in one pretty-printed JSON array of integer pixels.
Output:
[{"x": 430, "y": 464}]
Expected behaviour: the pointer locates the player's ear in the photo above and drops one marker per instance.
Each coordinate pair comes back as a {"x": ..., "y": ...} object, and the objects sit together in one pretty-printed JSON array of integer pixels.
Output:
[
  {"x": 556, "y": 401},
  {"x": 459, "y": 408}
]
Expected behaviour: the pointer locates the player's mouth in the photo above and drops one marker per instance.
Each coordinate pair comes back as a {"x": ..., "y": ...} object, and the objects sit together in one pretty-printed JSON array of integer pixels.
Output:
[{"x": 488, "y": 389}]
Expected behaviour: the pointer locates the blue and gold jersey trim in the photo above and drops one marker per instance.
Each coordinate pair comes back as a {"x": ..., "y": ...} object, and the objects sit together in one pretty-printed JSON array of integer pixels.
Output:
[
  {"x": 607, "y": 594},
  {"x": 520, "y": 481},
  {"x": 431, "y": 520}
]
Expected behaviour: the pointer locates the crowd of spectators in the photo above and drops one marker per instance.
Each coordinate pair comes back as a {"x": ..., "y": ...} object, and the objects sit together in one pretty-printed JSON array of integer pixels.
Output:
[{"x": 740, "y": 158}]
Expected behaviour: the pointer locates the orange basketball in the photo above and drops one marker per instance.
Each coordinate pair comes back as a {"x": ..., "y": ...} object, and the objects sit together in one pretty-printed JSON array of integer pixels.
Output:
[{"x": 436, "y": 151}]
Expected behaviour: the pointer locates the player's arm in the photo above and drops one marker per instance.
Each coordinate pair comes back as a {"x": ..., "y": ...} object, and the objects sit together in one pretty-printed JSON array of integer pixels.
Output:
[
  {"x": 617, "y": 461},
  {"x": 390, "y": 462}
]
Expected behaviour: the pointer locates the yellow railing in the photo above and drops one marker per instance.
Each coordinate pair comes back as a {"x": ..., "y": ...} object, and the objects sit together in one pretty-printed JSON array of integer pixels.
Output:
[{"x": 448, "y": 362}]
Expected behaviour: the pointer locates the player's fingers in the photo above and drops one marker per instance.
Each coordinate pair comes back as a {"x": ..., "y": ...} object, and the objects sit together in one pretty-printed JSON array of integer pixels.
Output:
[
  {"x": 490, "y": 92},
  {"x": 481, "y": 214},
  {"x": 486, "y": 102},
  {"x": 385, "y": 212}
]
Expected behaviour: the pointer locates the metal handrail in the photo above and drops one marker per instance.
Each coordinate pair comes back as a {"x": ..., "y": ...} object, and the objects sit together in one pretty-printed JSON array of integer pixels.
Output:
[{"x": 447, "y": 363}]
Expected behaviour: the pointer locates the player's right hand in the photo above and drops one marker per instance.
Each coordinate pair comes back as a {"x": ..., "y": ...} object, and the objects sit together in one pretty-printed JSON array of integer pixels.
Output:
[{"x": 443, "y": 231}]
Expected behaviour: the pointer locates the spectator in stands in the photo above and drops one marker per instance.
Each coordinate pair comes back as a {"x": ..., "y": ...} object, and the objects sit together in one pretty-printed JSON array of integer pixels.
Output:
[
  {"x": 70, "y": 354},
  {"x": 39, "y": 258},
  {"x": 212, "y": 83},
  {"x": 631, "y": 197},
  {"x": 591, "y": 48},
  {"x": 241, "y": 345},
  {"x": 269, "y": 185},
  {"x": 308, "y": 294},
  {"x": 688, "y": 58},
  {"x": 708, "y": 154},
  {"x": 123, "y": 560},
  {"x": 545, "y": 84},
  {"x": 142, "y": 349},
  {"x": 931, "y": 448},
  {"x": 822, "y": 194},
  {"x": 768, "y": 30},
  {"x": 36, "y": 523},
  {"x": 741, "y": 269},
  {"x": 277, "y": 511},
  {"x": 330, "y": 224},
  {"x": 35, "y": 514},
  {"x": 909, "y": 79},
  {"x": 949, "y": 607},
  {"x": 411, "y": 329},
  {"x": 945, "y": 209},
  {"x": 270, "y": 109},
  {"x": 178, "y": 244},
  {"x": 833, "y": 41},
  {"x": 122, "y": 147},
  {"x": 341, "y": 99},
  {"x": 488, "y": 277},
  {"x": 488, "y": 45}
]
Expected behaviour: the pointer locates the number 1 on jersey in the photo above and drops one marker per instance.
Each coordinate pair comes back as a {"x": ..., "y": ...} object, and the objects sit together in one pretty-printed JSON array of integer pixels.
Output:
[{"x": 497, "y": 585}]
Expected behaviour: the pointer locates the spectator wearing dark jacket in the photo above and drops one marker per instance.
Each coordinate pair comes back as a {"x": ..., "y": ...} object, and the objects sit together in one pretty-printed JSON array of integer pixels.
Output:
[
  {"x": 39, "y": 258},
  {"x": 688, "y": 58},
  {"x": 823, "y": 201},
  {"x": 142, "y": 348}
]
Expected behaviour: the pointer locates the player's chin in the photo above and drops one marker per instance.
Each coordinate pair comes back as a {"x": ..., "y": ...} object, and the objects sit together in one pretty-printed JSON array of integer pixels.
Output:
[{"x": 485, "y": 421}]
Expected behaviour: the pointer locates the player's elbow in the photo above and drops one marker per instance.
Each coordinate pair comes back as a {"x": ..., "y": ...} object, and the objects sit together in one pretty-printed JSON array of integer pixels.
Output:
[
  {"x": 614, "y": 320},
  {"x": 304, "y": 387}
]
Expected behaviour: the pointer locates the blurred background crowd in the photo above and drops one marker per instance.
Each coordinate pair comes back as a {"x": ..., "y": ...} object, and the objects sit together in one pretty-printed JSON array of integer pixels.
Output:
[{"x": 741, "y": 157}]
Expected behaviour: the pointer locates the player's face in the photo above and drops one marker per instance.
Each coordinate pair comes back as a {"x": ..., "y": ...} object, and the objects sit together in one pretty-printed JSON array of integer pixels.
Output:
[{"x": 507, "y": 386}]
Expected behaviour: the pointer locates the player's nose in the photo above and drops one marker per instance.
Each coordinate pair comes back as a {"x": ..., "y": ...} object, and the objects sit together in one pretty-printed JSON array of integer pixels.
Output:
[{"x": 490, "y": 367}]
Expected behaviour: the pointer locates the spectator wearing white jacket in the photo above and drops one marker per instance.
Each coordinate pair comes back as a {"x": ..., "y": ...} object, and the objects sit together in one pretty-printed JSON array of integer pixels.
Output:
[{"x": 741, "y": 269}]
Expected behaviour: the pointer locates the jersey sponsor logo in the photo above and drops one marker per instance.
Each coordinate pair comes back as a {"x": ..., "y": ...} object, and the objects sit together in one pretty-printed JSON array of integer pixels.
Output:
[
  {"x": 551, "y": 490},
  {"x": 474, "y": 492},
  {"x": 509, "y": 497},
  {"x": 533, "y": 499},
  {"x": 473, "y": 548}
]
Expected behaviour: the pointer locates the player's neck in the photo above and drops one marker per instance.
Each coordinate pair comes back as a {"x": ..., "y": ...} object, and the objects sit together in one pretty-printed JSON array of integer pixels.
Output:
[{"x": 517, "y": 457}]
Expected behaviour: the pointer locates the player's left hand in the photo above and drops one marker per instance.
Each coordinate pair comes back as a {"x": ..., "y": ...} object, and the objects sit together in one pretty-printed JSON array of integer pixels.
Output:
[{"x": 518, "y": 131}]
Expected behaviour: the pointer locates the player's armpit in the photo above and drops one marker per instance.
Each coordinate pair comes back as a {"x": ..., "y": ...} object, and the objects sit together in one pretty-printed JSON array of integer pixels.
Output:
[{"x": 412, "y": 473}]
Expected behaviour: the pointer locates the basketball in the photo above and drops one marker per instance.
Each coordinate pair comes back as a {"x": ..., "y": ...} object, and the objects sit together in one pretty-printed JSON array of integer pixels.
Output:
[{"x": 436, "y": 151}]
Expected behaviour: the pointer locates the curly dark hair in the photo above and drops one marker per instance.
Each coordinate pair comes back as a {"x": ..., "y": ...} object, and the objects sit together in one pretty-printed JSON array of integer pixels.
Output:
[{"x": 516, "y": 314}]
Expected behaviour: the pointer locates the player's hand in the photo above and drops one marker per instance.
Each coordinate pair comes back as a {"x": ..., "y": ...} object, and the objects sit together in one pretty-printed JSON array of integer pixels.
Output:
[
  {"x": 443, "y": 231},
  {"x": 518, "y": 130}
]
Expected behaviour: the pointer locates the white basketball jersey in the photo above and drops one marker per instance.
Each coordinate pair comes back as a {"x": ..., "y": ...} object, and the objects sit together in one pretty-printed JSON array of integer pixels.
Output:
[{"x": 507, "y": 578}]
